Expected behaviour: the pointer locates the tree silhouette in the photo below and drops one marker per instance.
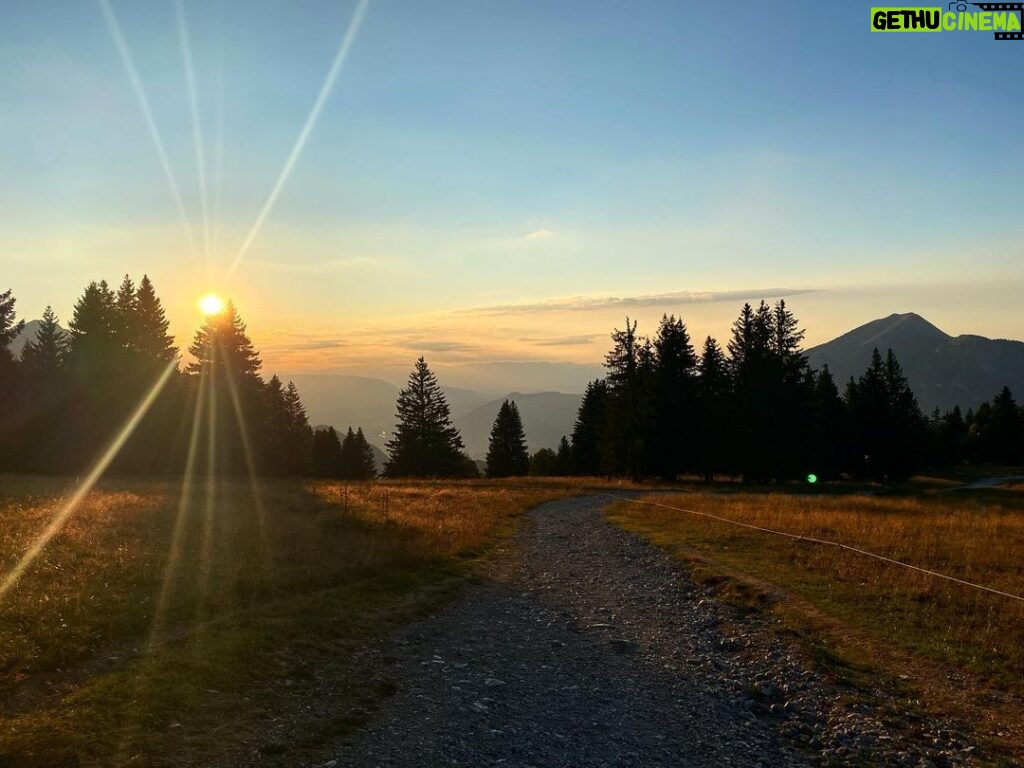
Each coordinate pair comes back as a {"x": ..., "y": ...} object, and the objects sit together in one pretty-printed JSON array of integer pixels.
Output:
[
  {"x": 672, "y": 441},
  {"x": 586, "y": 432},
  {"x": 357, "y": 457},
  {"x": 425, "y": 444},
  {"x": 9, "y": 329},
  {"x": 506, "y": 452},
  {"x": 714, "y": 426},
  {"x": 326, "y": 453}
]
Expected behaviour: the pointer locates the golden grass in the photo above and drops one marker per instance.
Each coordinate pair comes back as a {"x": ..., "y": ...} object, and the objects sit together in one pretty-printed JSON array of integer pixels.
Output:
[
  {"x": 118, "y": 646},
  {"x": 963, "y": 647}
]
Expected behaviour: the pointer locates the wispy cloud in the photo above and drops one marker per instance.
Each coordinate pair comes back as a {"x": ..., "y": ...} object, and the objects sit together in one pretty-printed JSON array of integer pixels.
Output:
[
  {"x": 559, "y": 341},
  {"x": 593, "y": 303},
  {"x": 540, "y": 234}
]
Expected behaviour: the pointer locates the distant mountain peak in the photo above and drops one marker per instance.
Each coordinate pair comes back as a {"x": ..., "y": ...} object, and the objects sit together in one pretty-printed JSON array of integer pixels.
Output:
[{"x": 943, "y": 370}]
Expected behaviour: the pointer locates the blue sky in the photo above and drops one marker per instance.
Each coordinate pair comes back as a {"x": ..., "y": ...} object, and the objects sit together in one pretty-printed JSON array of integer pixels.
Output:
[{"x": 480, "y": 154}]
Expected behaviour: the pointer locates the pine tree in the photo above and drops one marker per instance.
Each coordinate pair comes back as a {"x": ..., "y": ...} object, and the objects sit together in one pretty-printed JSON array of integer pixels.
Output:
[
  {"x": 299, "y": 433},
  {"x": 506, "y": 452},
  {"x": 425, "y": 444},
  {"x": 224, "y": 354},
  {"x": 587, "y": 431},
  {"x": 622, "y": 438},
  {"x": 357, "y": 457},
  {"x": 1004, "y": 430},
  {"x": 125, "y": 307},
  {"x": 829, "y": 427},
  {"x": 544, "y": 463},
  {"x": 43, "y": 355},
  {"x": 152, "y": 339},
  {"x": 887, "y": 425},
  {"x": 365, "y": 464},
  {"x": 92, "y": 347},
  {"x": 326, "y": 453},
  {"x": 222, "y": 345},
  {"x": 9, "y": 329},
  {"x": 672, "y": 443},
  {"x": 714, "y": 427},
  {"x": 563, "y": 459}
]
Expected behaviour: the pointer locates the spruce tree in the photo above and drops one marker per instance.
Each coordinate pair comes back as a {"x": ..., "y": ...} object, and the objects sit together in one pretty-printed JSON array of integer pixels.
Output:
[
  {"x": 506, "y": 452},
  {"x": 587, "y": 431},
  {"x": 125, "y": 306},
  {"x": 366, "y": 468},
  {"x": 563, "y": 459},
  {"x": 1004, "y": 430},
  {"x": 223, "y": 353},
  {"x": 622, "y": 438},
  {"x": 672, "y": 443},
  {"x": 544, "y": 463},
  {"x": 424, "y": 444},
  {"x": 299, "y": 433},
  {"x": 9, "y": 329},
  {"x": 713, "y": 425},
  {"x": 829, "y": 427},
  {"x": 43, "y": 355},
  {"x": 326, "y": 453},
  {"x": 152, "y": 339}
]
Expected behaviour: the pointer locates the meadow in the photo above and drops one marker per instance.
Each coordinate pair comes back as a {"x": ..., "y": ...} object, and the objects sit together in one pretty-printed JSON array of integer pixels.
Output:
[
  {"x": 220, "y": 623},
  {"x": 937, "y": 646}
]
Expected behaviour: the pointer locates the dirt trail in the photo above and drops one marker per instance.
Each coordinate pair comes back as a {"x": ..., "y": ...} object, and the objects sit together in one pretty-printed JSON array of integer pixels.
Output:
[{"x": 585, "y": 646}]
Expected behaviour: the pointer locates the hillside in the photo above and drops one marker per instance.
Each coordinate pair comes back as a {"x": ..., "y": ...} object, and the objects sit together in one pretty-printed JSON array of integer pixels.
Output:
[
  {"x": 546, "y": 417},
  {"x": 944, "y": 370}
]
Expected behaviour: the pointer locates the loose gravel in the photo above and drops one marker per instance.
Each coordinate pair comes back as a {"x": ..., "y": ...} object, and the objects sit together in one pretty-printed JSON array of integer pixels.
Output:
[{"x": 585, "y": 646}]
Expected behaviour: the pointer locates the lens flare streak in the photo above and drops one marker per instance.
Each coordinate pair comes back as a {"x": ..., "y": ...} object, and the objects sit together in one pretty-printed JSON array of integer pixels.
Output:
[
  {"x": 140, "y": 94},
  {"x": 87, "y": 485},
  {"x": 307, "y": 129}
]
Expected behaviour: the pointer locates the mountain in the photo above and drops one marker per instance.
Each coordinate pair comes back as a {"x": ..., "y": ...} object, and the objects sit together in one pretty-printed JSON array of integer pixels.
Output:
[
  {"x": 546, "y": 417},
  {"x": 28, "y": 332},
  {"x": 943, "y": 370}
]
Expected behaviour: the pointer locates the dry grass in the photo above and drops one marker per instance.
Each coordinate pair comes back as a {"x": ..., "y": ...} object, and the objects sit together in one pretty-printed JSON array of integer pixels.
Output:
[
  {"x": 961, "y": 647},
  {"x": 141, "y": 636}
]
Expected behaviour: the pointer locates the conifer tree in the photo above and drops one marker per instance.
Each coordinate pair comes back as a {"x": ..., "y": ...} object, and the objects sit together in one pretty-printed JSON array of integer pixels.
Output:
[
  {"x": 563, "y": 459},
  {"x": 43, "y": 355},
  {"x": 300, "y": 434},
  {"x": 357, "y": 457},
  {"x": 223, "y": 353},
  {"x": 9, "y": 329},
  {"x": 714, "y": 426},
  {"x": 622, "y": 438},
  {"x": 152, "y": 339},
  {"x": 92, "y": 347},
  {"x": 1003, "y": 431},
  {"x": 425, "y": 444},
  {"x": 506, "y": 452},
  {"x": 672, "y": 443},
  {"x": 125, "y": 306},
  {"x": 587, "y": 431},
  {"x": 326, "y": 453},
  {"x": 829, "y": 427},
  {"x": 367, "y": 467},
  {"x": 544, "y": 463}
]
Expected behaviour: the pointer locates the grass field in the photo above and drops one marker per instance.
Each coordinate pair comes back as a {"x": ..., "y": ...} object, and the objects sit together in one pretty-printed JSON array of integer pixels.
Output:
[
  {"x": 941, "y": 645},
  {"x": 166, "y": 628}
]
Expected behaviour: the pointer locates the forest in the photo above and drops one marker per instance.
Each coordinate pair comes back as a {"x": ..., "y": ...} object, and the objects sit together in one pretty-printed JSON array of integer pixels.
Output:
[{"x": 753, "y": 410}]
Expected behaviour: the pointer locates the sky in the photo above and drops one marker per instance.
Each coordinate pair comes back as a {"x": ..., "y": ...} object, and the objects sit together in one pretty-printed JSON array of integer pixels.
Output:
[{"x": 487, "y": 181}]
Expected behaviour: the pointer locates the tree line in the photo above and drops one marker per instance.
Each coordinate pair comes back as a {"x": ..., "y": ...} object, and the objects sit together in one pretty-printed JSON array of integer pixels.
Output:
[
  {"x": 758, "y": 411},
  {"x": 754, "y": 409}
]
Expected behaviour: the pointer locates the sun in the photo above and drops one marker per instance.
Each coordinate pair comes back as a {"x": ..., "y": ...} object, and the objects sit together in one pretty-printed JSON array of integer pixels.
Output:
[{"x": 211, "y": 304}]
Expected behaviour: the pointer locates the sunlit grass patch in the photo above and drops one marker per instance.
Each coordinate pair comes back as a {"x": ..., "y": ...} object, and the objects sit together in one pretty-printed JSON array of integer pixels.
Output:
[
  {"x": 970, "y": 643},
  {"x": 116, "y": 648}
]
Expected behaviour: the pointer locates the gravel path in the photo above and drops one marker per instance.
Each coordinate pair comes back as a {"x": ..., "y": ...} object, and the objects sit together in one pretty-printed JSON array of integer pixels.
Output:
[{"x": 585, "y": 646}]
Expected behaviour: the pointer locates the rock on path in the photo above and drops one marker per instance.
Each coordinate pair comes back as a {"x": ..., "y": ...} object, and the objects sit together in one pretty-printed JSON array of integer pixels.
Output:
[{"x": 586, "y": 646}]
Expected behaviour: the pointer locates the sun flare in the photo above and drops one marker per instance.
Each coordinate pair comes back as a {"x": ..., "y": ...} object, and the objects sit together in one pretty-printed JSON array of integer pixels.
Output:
[{"x": 211, "y": 304}]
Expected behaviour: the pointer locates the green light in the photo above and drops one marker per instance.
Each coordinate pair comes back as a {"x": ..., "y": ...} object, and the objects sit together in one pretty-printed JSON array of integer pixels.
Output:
[{"x": 812, "y": 479}]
